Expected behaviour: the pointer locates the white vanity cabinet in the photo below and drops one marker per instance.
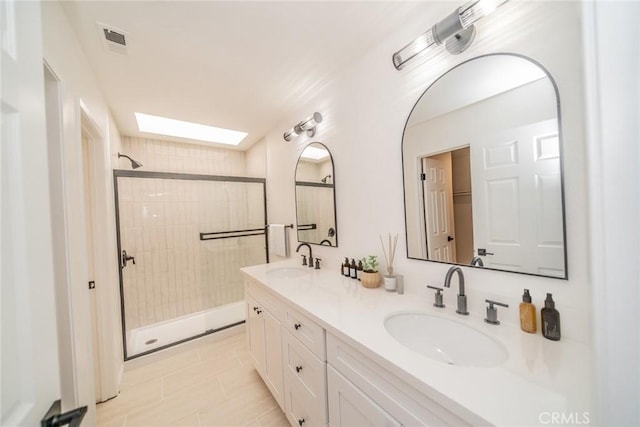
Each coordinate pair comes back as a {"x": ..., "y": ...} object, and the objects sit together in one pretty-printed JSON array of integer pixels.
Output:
[
  {"x": 305, "y": 370},
  {"x": 348, "y": 406},
  {"x": 289, "y": 352},
  {"x": 264, "y": 340},
  {"x": 365, "y": 393}
]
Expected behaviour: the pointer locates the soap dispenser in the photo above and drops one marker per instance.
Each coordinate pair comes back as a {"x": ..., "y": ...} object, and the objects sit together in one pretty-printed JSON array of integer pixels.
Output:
[
  {"x": 527, "y": 314},
  {"x": 347, "y": 267},
  {"x": 550, "y": 319}
]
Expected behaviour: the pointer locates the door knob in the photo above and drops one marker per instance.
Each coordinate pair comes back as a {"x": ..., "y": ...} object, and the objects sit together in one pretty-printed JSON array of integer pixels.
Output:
[
  {"x": 483, "y": 252},
  {"x": 449, "y": 238}
]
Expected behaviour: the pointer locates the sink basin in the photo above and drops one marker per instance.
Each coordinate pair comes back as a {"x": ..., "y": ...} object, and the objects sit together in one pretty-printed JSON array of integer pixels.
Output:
[
  {"x": 288, "y": 272},
  {"x": 445, "y": 340}
]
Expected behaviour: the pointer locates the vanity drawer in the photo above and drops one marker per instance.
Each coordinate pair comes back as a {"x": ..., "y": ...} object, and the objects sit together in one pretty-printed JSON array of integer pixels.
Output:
[
  {"x": 267, "y": 301},
  {"x": 301, "y": 409},
  {"x": 306, "y": 330},
  {"x": 304, "y": 368},
  {"x": 403, "y": 402}
]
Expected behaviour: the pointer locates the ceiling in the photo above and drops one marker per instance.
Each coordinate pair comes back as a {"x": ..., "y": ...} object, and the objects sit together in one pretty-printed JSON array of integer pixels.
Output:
[{"x": 233, "y": 64}]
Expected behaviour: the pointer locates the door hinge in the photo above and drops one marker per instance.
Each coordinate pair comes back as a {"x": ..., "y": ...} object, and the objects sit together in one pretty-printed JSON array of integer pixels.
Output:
[
  {"x": 423, "y": 177},
  {"x": 92, "y": 284}
]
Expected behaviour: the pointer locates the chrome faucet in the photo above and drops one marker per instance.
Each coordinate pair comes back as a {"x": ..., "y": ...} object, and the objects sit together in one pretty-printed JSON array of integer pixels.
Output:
[
  {"x": 304, "y": 260},
  {"x": 477, "y": 261},
  {"x": 462, "y": 298}
]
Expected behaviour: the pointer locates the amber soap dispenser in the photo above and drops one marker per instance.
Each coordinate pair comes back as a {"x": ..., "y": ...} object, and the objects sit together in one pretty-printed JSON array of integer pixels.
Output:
[{"x": 527, "y": 314}]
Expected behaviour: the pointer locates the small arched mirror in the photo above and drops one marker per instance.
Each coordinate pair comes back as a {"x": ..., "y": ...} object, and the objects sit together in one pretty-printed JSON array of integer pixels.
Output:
[
  {"x": 482, "y": 157},
  {"x": 315, "y": 196}
]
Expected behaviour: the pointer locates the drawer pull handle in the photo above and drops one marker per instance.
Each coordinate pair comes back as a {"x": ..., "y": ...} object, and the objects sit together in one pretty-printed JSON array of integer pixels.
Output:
[
  {"x": 258, "y": 311},
  {"x": 301, "y": 421},
  {"x": 297, "y": 326},
  {"x": 298, "y": 369},
  {"x": 255, "y": 308}
]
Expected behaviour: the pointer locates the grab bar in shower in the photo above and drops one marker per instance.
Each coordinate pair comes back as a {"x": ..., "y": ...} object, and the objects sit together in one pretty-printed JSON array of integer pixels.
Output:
[
  {"x": 236, "y": 233},
  {"x": 303, "y": 227},
  {"x": 231, "y": 233}
]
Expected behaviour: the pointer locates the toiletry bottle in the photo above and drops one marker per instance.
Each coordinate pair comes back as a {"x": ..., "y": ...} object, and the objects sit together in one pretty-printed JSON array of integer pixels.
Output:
[
  {"x": 550, "y": 320},
  {"x": 527, "y": 314},
  {"x": 342, "y": 268},
  {"x": 347, "y": 267},
  {"x": 359, "y": 270},
  {"x": 354, "y": 269}
]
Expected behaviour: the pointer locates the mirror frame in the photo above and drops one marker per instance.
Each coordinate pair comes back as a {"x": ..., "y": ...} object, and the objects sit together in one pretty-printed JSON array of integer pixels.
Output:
[
  {"x": 332, "y": 186},
  {"x": 562, "y": 171}
]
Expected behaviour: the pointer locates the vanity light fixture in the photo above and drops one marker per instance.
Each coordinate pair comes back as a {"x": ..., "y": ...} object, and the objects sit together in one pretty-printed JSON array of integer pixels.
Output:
[
  {"x": 308, "y": 125},
  {"x": 456, "y": 31}
]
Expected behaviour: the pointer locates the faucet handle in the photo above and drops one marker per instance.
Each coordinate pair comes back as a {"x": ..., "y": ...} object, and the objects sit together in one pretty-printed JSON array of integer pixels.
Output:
[
  {"x": 304, "y": 259},
  {"x": 318, "y": 263},
  {"x": 438, "y": 296},
  {"x": 492, "y": 312}
]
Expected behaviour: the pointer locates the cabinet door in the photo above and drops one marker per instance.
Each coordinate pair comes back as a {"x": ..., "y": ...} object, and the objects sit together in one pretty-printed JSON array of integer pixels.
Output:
[
  {"x": 255, "y": 333},
  {"x": 273, "y": 372},
  {"x": 348, "y": 406}
]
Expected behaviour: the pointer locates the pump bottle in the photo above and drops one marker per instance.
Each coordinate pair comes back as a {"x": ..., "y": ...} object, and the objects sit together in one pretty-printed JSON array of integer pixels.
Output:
[
  {"x": 550, "y": 319},
  {"x": 527, "y": 314}
]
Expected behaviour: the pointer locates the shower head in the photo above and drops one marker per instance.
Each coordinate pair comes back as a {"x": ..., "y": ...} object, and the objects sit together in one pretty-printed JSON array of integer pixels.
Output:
[
  {"x": 324, "y": 180},
  {"x": 134, "y": 163}
]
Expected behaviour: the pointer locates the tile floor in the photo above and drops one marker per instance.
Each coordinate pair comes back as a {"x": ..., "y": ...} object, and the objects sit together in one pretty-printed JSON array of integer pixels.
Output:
[{"x": 206, "y": 382}]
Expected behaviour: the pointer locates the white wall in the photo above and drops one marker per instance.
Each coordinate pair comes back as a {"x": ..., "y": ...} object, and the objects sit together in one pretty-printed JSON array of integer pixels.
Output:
[
  {"x": 612, "y": 47},
  {"x": 256, "y": 158},
  {"x": 81, "y": 96}
]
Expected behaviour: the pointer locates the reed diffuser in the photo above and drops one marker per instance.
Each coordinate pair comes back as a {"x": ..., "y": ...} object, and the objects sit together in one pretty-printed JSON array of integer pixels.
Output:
[{"x": 389, "y": 256}]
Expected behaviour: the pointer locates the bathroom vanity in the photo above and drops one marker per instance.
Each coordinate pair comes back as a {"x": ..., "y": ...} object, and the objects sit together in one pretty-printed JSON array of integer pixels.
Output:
[{"x": 327, "y": 349}]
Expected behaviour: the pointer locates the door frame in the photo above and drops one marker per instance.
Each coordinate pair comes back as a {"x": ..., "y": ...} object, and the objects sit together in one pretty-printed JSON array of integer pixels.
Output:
[{"x": 109, "y": 357}]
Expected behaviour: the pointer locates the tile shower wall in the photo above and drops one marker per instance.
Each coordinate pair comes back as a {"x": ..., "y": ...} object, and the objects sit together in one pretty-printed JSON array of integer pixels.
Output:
[
  {"x": 165, "y": 156},
  {"x": 175, "y": 272},
  {"x": 160, "y": 221}
]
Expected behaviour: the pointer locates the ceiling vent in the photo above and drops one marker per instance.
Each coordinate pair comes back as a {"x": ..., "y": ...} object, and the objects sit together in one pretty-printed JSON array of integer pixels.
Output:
[{"x": 113, "y": 39}]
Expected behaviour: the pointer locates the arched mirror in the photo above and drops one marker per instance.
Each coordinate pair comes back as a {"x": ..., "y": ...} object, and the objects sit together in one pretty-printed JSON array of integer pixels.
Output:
[
  {"x": 482, "y": 164},
  {"x": 315, "y": 196}
]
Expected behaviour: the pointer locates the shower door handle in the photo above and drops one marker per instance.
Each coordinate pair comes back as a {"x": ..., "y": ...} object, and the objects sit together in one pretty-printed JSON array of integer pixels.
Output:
[{"x": 126, "y": 257}]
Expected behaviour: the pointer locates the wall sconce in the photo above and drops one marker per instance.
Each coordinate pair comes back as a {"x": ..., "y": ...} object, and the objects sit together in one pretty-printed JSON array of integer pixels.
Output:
[
  {"x": 308, "y": 125},
  {"x": 456, "y": 31}
]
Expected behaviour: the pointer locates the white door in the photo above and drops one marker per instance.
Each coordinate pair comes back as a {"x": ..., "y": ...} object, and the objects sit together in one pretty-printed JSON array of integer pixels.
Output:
[
  {"x": 438, "y": 195},
  {"x": 29, "y": 345},
  {"x": 519, "y": 233}
]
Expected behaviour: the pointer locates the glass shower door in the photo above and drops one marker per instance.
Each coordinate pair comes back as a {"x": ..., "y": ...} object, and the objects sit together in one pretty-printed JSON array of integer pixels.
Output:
[{"x": 182, "y": 241}]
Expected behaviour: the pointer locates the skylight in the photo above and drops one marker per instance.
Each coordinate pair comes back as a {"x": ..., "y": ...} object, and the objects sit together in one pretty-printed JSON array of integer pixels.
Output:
[
  {"x": 188, "y": 130},
  {"x": 314, "y": 153}
]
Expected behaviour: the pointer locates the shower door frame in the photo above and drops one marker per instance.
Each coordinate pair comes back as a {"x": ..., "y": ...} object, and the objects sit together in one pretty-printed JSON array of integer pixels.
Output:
[{"x": 124, "y": 173}]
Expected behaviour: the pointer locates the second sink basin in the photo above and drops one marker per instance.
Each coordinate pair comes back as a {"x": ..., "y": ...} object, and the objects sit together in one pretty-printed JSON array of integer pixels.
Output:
[
  {"x": 288, "y": 272},
  {"x": 445, "y": 340}
]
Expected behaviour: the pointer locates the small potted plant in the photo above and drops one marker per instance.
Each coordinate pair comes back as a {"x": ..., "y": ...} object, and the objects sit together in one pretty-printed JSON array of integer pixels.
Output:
[{"x": 370, "y": 277}]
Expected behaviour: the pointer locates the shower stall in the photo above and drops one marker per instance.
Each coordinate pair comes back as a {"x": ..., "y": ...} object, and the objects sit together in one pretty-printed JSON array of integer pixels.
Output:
[{"x": 182, "y": 239}]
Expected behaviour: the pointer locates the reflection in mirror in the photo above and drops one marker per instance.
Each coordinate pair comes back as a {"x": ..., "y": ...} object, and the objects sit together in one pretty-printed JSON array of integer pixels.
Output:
[
  {"x": 315, "y": 196},
  {"x": 482, "y": 168}
]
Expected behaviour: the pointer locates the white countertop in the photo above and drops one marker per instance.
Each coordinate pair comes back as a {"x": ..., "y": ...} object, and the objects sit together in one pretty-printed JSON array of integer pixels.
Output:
[{"x": 541, "y": 377}]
